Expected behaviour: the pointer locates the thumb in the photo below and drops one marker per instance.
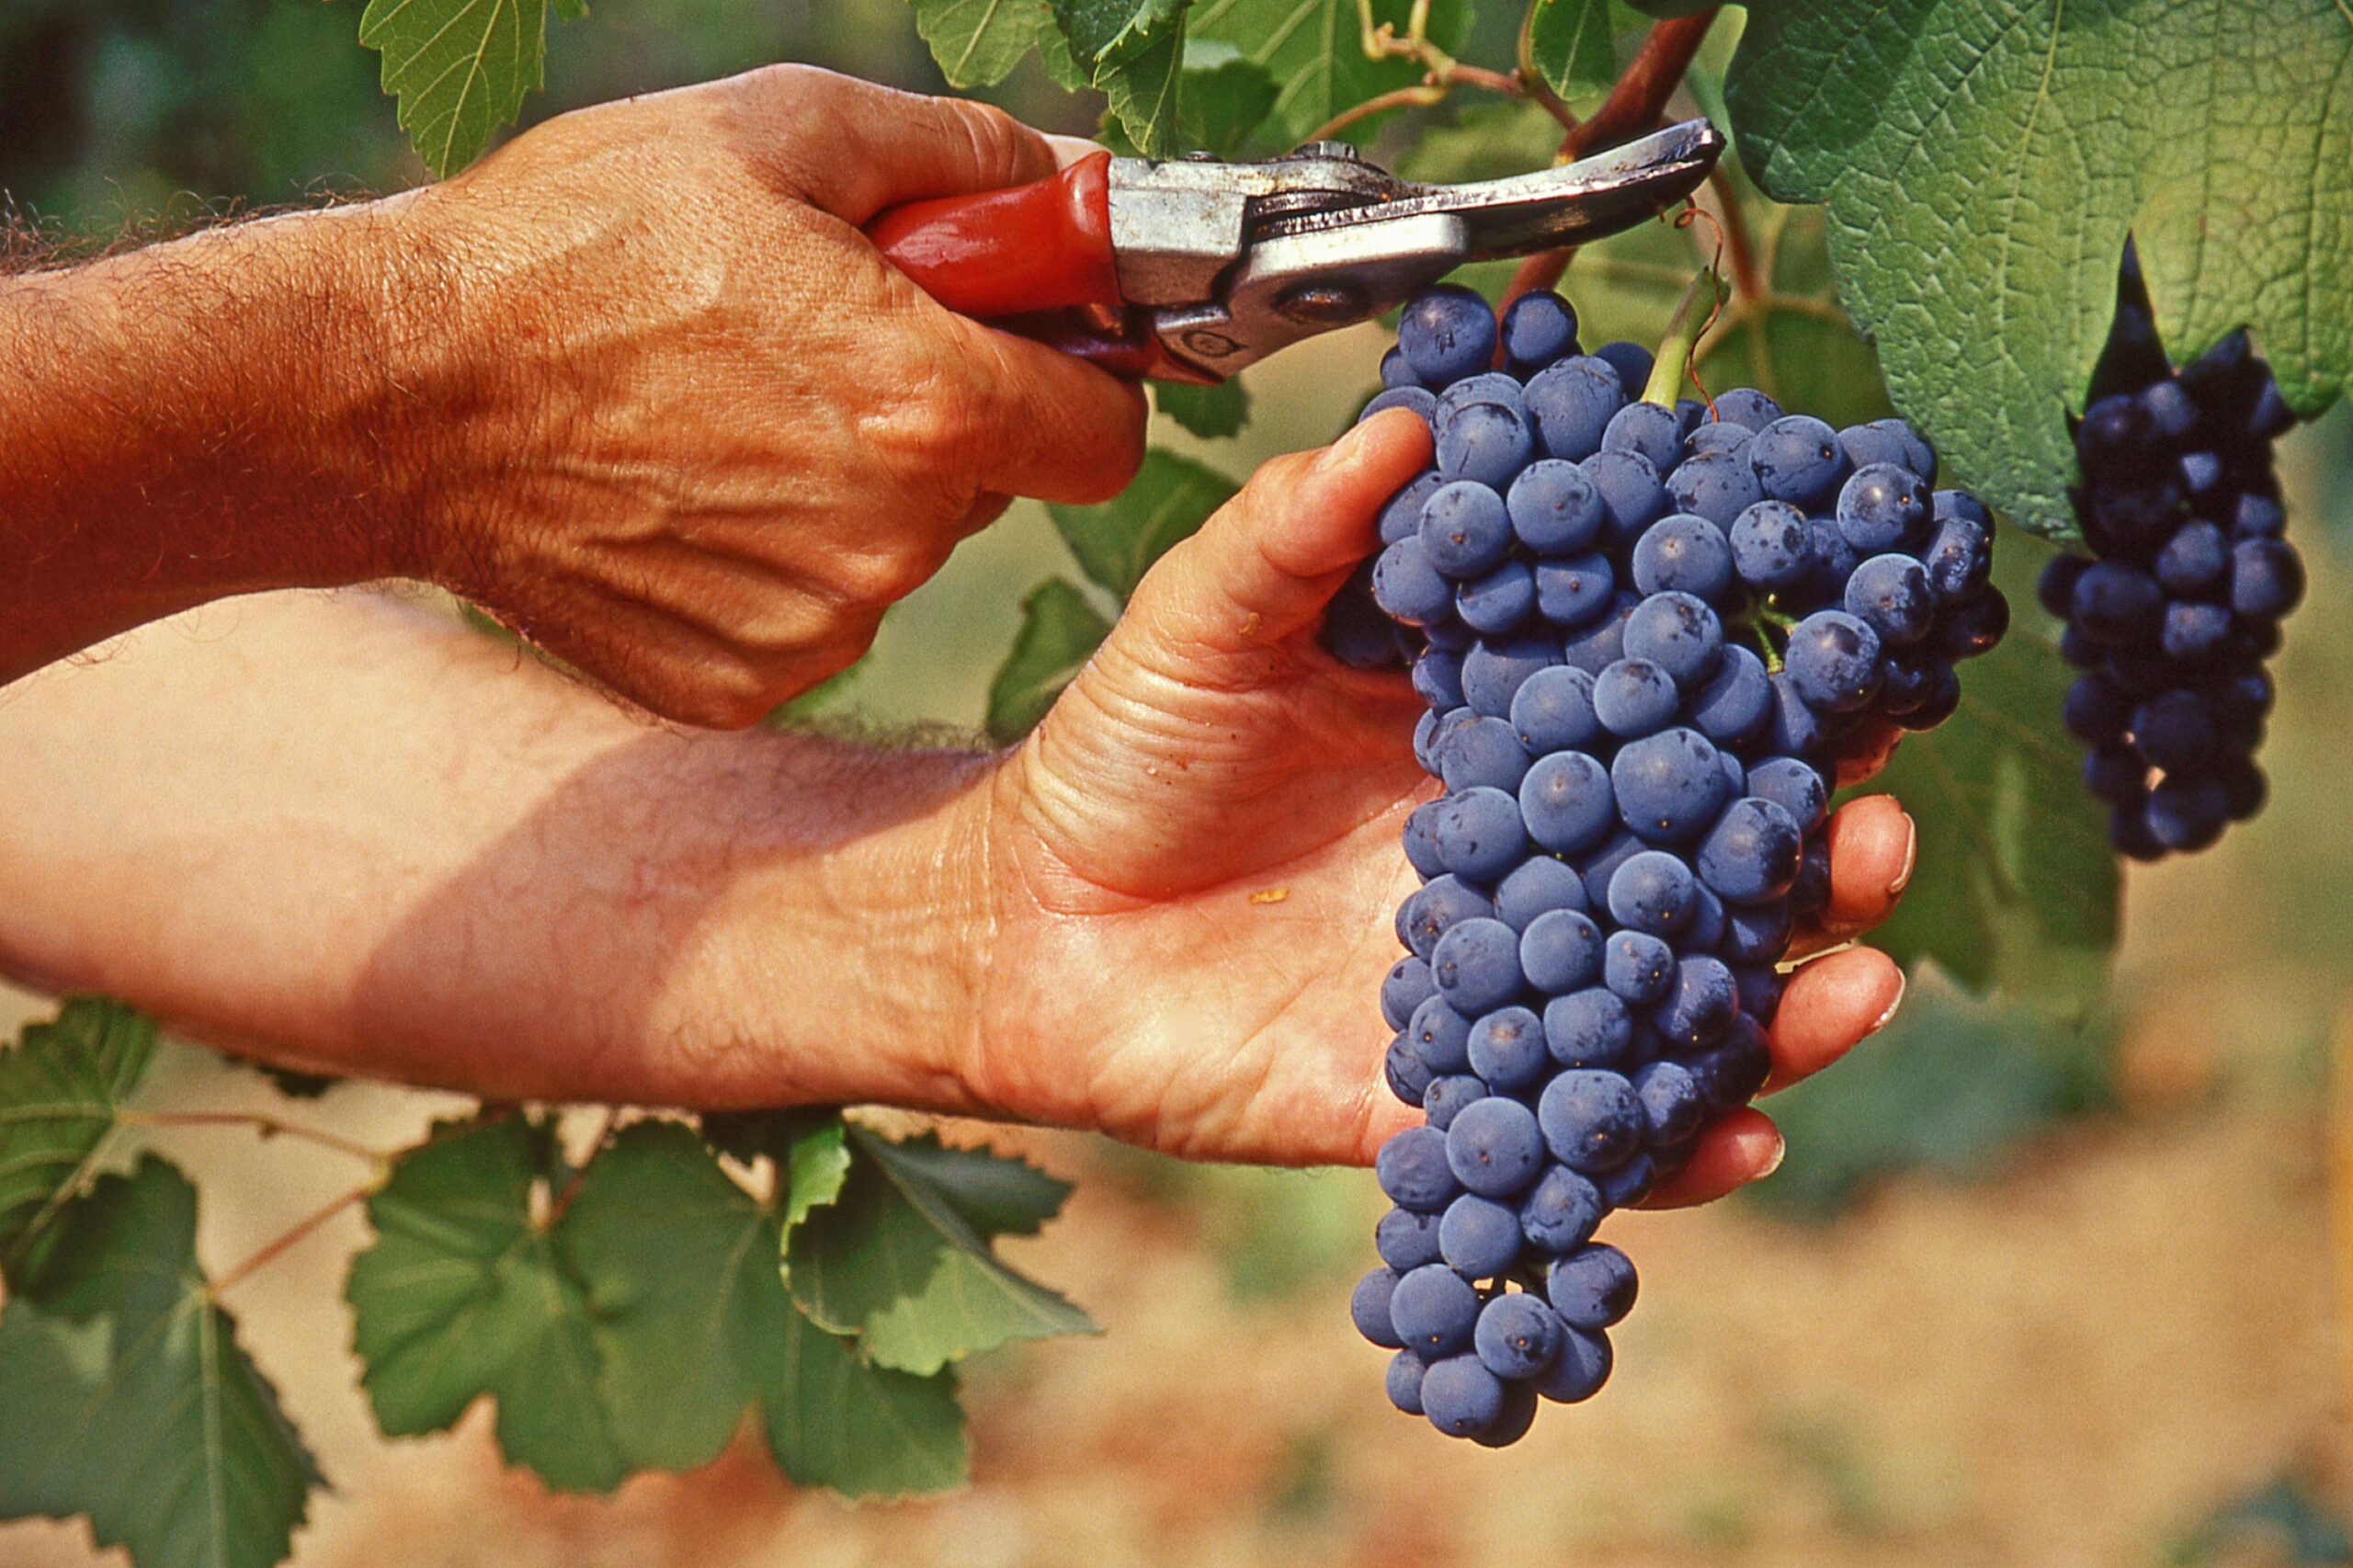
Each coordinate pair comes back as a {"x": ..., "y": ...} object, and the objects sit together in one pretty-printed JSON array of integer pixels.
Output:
[
  {"x": 853, "y": 148},
  {"x": 1264, "y": 566}
]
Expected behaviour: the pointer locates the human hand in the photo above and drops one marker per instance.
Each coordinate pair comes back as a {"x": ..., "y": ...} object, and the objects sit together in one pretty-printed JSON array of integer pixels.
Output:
[
  {"x": 1195, "y": 859},
  {"x": 678, "y": 422}
]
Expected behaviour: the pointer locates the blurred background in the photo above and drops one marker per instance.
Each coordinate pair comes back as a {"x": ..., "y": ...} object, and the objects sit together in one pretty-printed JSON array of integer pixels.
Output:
[{"x": 2024, "y": 1293}]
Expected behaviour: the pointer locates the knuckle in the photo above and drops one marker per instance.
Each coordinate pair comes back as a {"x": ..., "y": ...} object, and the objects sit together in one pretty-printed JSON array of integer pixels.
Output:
[
  {"x": 995, "y": 139},
  {"x": 883, "y": 577},
  {"x": 732, "y": 695}
]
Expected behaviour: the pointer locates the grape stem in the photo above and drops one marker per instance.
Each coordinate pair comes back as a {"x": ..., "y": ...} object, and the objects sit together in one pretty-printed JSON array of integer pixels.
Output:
[
  {"x": 1732, "y": 226},
  {"x": 286, "y": 1241},
  {"x": 579, "y": 1173},
  {"x": 266, "y": 1126},
  {"x": 1443, "y": 72},
  {"x": 1764, "y": 641},
  {"x": 1683, "y": 329}
]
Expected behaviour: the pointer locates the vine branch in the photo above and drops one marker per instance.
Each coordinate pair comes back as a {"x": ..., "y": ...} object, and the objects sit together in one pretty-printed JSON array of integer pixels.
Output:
[
  {"x": 1632, "y": 109},
  {"x": 271, "y": 1251},
  {"x": 1746, "y": 279},
  {"x": 1441, "y": 72},
  {"x": 266, "y": 1126},
  {"x": 562, "y": 1200}
]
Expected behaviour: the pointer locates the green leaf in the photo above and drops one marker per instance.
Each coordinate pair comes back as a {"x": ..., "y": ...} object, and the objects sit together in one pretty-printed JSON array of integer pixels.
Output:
[
  {"x": 1118, "y": 541},
  {"x": 813, "y": 1171},
  {"x": 680, "y": 1268},
  {"x": 1053, "y": 53},
  {"x": 1489, "y": 138},
  {"x": 1314, "y": 51},
  {"x": 1981, "y": 161},
  {"x": 1213, "y": 412},
  {"x": 809, "y": 1148},
  {"x": 865, "y": 1431},
  {"x": 978, "y": 42},
  {"x": 693, "y": 1324},
  {"x": 902, "y": 1257},
  {"x": 61, "y": 1087},
  {"x": 1145, "y": 84},
  {"x": 1059, "y": 631},
  {"x": 1949, "y": 1086},
  {"x": 862, "y": 1430},
  {"x": 128, "y": 1398},
  {"x": 2015, "y": 886},
  {"x": 1221, "y": 104},
  {"x": 460, "y": 67},
  {"x": 463, "y": 1295},
  {"x": 1099, "y": 28},
  {"x": 1573, "y": 44}
]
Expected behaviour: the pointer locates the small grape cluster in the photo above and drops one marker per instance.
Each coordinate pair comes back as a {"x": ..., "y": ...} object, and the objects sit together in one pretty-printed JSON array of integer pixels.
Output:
[
  {"x": 2171, "y": 618},
  {"x": 1648, "y": 632}
]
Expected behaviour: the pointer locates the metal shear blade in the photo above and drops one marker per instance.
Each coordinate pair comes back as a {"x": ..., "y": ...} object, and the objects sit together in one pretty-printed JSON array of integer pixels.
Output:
[{"x": 1237, "y": 261}]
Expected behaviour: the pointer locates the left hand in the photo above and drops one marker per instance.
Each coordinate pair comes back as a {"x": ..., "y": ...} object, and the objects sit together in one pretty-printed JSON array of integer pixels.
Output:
[{"x": 1195, "y": 860}]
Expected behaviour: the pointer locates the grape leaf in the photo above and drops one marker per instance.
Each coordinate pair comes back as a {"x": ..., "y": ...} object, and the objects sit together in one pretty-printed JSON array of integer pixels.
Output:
[
  {"x": 693, "y": 1325},
  {"x": 1099, "y": 28},
  {"x": 814, "y": 1169},
  {"x": 1982, "y": 162},
  {"x": 1213, "y": 412},
  {"x": 128, "y": 1398},
  {"x": 1118, "y": 541},
  {"x": 1573, "y": 43},
  {"x": 1145, "y": 84},
  {"x": 61, "y": 1088},
  {"x": 809, "y": 1148},
  {"x": 867, "y": 1431},
  {"x": 1489, "y": 138},
  {"x": 2015, "y": 887},
  {"x": 680, "y": 1268},
  {"x": 462, "y": 69},
  {"x": 462, "y": 1295},
  {"x": 1221, "y": 104},
  {"x": 1222, "y": 101},
  {"x": 1059, "y": 630},
  {"x": 902, "y": 1257},
  {"x": 978, "y": 42},
  {"x": 1949, "y": 1087},
  {"x": 1314, "y": 51}
]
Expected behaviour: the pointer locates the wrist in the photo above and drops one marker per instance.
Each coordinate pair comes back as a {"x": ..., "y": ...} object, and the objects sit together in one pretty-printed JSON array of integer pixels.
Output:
[{"x": 846, "y": 962}]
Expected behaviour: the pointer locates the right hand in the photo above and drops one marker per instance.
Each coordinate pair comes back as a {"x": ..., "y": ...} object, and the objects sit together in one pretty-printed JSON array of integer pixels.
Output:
[{"x": 678, "y": 422}]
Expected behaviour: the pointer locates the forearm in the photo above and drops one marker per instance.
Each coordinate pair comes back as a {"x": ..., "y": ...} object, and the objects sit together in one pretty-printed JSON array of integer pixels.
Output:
[
  {"x": 353, "y": 837},
  {"x": 214, "y": 416}
]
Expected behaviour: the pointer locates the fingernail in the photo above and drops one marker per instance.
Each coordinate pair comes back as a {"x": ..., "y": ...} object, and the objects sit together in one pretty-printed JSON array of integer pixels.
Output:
[
  {"x": 1342, "y": 452},
  {"x": 1780, "y": 1153},
  {"x": 1910, "y": 857},
  {"x": 1887, "y": 1015}
]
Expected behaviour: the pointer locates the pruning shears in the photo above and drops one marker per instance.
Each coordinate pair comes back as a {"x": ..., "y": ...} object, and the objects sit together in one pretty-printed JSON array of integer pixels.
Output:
[{"x": 1190, "y": 269}]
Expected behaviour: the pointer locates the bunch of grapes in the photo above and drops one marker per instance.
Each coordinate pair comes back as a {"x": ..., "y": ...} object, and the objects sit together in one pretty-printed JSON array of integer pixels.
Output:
[
  {"x": 2172, "y": 616},
  {"x": 1649, "y": 632}
]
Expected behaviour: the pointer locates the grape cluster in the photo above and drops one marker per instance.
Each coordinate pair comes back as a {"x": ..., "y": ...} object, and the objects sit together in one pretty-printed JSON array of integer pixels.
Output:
[
  {"x": 2172, "y": 616},
  {"x": 1648, "y": 634}
]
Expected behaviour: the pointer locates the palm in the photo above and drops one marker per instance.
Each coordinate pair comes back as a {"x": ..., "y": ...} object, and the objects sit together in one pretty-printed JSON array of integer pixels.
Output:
[{"x": 1223, "y": 860}]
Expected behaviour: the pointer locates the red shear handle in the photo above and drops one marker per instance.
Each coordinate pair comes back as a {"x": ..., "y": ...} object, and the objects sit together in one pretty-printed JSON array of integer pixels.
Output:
[{"x": 1001, "y": 253}]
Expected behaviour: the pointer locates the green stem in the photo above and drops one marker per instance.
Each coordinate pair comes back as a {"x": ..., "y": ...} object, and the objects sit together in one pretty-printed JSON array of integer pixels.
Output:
[{"x": 1683, "y": 329}]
